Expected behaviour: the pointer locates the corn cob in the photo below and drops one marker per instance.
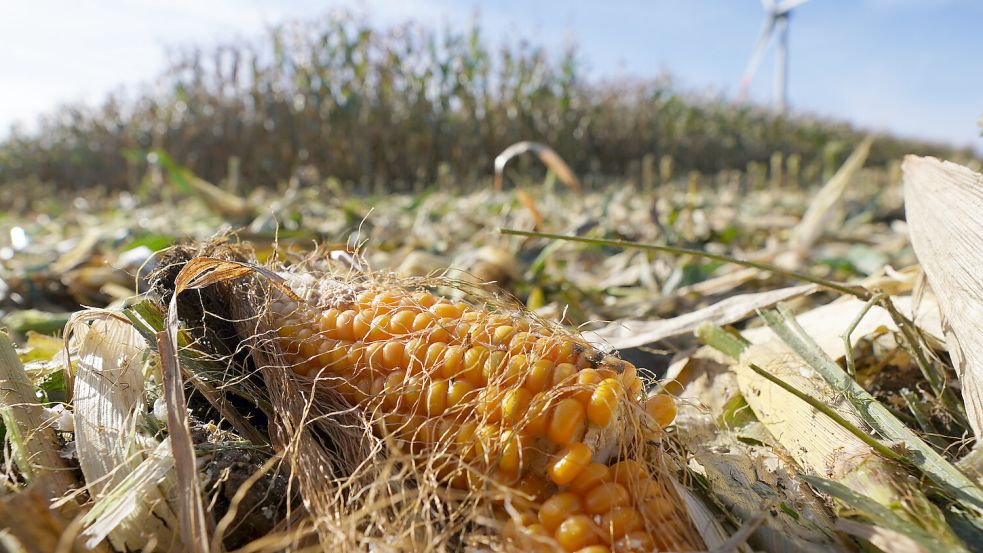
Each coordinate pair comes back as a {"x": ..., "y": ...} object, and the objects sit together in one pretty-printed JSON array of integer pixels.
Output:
[{"x": 533, "y": 408}]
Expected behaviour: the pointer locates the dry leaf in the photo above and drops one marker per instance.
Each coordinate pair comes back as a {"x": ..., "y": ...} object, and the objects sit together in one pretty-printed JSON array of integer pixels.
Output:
[
  {"x": 944, "y": 207},
  {"x": 633, "y": 333},
  {"x": 108, "y": 401}
]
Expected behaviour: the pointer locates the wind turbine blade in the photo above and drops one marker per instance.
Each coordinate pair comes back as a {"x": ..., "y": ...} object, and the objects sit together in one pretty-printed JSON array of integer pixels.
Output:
[
  {"x": 757, "y": 53},
  {"x": 787, "y": 6},
  {"x": 768, "y": 5}
]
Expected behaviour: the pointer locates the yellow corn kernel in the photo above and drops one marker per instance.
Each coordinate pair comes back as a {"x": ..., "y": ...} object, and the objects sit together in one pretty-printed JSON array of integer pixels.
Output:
[
  {"x": 557, "y": 349},
  {"x": 489, "y": 406},
  {"x": 392, "y": 354},
  {"x": 604, "y": 401},
  {"x": 378, "y": 329},
  {"x": 440, "y": 333},
  {"x": 303, "y": 333},
  {"x": 425, "y": 300},
  {"x": 481, "y": 334},
  {"x": 567, "y": 421},
  {"x": 558, "y": 508},
  {"x": 662, "y": 409},
  {"x": 657, "y": 509},
  {"x": 494, "y": 365},
  {"x": 474, "y": 362},
  {"x": 587, "y": 381},
  {"x": 540, "y": 376},
  {"x": 446, "y": 310},
  {"x": 538, "y": 418},
  {"x": 434, "y": 357},
  {"x": 487, "y": 439},
  {"x": 422, "y": 321},
  {"x": 628, "y": 472},
  {"x": 460, "y": 390},
  {"x": 411, "y": 394},
  {"x": 364, "y": 299},
  {"x": 515, "y": 369},
  {"x": 413, "y": 353},
  {"x": 568, "y": 463},
  {"x": 513, "y": 448},
  {"x": 328, "y": 323},
  {"x": 605, "y": 497},
  {"x": 537, "y": 530},
  {"x": 378, "y": 386},
  {"x": 592, "y": 476},
  {"x": 393, "y": 389},
  {"x": 564, "y": 374},
  {"x": 363, "y": 389},
  {"x": 453, "y": 363},
  {"x": 361, "y": 324},
  {"x": 436, "y": 400},
  {"x": 331, "y": 356},
  {"x": 502, "y": 335},
  {"x": 646, "y": 489},
  {"x": 402, "y": 322},
  {"x": 521, "y": 342},
  {"x": 389, "y": 299},
  {"x": 463, "y": 331},
  {"x": 619, "y": 521},
  {"x": 465, "y": 440},
  {"x": 515, "y": 404},
  {"x": 576, "y": 533}
]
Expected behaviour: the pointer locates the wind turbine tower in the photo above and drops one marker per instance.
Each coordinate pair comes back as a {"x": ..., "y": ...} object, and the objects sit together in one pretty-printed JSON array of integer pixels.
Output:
[{"x": 776, "y": 23}]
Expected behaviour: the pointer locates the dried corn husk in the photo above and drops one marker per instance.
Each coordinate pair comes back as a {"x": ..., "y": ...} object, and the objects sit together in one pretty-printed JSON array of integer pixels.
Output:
[
  {"x": 944, "y": 207},
  {"x": 125, "y": 468}
]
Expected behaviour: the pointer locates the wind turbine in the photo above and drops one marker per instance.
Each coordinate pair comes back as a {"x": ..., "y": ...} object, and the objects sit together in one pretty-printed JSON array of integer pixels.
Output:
[{"x": 778, "y": 15}]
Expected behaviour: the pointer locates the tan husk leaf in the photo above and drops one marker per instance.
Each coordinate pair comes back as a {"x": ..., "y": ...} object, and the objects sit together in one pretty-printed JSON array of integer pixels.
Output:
[
  {"x": 108, "y": 403},
  {"x": 944, "y": 208}
]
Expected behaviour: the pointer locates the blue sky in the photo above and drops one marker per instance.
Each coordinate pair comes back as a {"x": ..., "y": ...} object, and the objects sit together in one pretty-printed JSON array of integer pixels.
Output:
[{"x": 909, "y": 66}]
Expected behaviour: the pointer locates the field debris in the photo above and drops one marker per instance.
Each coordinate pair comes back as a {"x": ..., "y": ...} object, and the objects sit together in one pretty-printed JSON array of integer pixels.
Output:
[{"x": 293, "y": 387}]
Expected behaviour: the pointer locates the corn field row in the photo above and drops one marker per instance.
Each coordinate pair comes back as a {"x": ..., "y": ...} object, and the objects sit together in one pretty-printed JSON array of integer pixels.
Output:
[{"x": 405, "y": 106}]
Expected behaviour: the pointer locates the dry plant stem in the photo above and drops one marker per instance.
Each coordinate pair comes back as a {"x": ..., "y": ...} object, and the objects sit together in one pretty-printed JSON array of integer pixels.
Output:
[
  {"x": 192, "y": 511},
  {"x": 550, "y": 159},
  {"x": 917, "y": 407},
  {"x": 922, "y": 456},
  {"x": 908, "y": 331},
  {"x": 194, "y": 523},
  {"x": 878, "y": 513},
  {"x": 816, "y": 219},
  {"x": 851, "y": 368},
  {"x": 916, "y": 516},
  {"x": 33, "y": 440},
  {"x": 855, "y": 291},
  {"x": 822, "y": 408},
  {"x": 721, "y": 340}
]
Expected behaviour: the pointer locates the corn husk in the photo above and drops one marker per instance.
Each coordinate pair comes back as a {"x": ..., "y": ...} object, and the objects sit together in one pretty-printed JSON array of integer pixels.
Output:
[
  {"x": 127, "y": 471},
  {"x": 944, "y": 207}
]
